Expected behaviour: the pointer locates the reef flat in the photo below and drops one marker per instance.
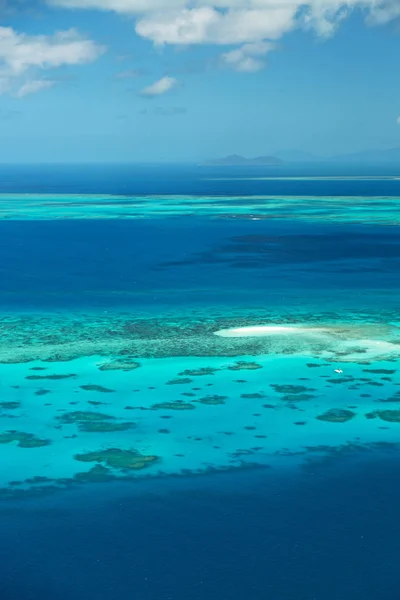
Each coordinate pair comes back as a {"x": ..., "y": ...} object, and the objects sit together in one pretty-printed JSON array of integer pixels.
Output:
[
  {"x": 343, "y": 209},
  {"x": 121, "y": 340},
  {"x": 187, "y": 412}
]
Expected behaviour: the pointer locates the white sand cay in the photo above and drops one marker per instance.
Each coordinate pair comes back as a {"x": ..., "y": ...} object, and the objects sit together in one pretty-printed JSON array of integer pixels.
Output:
[{"x": 266, "y": 330}]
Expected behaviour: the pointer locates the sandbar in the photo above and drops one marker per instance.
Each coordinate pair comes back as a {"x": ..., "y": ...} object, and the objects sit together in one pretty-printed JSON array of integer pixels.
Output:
[{"x": 264, "y": 330}]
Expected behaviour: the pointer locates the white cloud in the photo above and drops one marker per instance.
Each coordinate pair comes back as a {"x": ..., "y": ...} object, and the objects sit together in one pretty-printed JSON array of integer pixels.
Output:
[
  {"x": 209, "y": 25},
  {"x": 22, "y": 54},
  {"x": 248, "y": 58},
  {"x": 238, "y": 22},
  {"x": 34, "y": 86},
  {"x": 160, "y": 87},
  {"x": 19, "y": 51}
]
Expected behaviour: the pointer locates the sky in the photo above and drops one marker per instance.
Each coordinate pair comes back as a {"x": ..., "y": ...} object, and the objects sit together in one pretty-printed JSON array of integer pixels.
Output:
[{"x": 188, "y": 80}]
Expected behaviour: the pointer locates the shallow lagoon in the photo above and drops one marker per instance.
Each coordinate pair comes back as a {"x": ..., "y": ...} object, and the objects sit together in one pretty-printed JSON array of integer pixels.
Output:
[{"x": 114, "y": 357}]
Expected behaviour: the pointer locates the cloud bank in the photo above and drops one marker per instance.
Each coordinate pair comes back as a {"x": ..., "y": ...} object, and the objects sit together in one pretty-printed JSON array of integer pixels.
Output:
[
  {"x": 242, "y": 23},
  {"x": 23, "y": 56}
]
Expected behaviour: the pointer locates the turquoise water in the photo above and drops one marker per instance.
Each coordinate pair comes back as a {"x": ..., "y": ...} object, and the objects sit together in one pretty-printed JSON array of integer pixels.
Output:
[
  {"x": 155, "y": 443},
  {"x": 111, "y": 365}
]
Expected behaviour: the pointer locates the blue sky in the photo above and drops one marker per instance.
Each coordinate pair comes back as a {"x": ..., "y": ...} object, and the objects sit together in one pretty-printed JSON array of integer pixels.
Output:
[{"x": 156, "y": 80}]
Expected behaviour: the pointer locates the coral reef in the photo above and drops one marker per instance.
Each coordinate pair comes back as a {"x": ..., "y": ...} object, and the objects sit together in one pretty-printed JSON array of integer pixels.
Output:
[
  {"x": 120, "y": 365},
  {"x": 97, "y": 474},
  {"x": 198, "y": 372},
  {"x": 105, "y": 426},
  {"x": 392, "y": 416},
  {"x": 52, "y": 377},
  {"x": 116, "y": 458},
  {"x": 25, "y": 440},
  {"x": 337, "y": 415},
  {"x": 78, "y": 416},
  {"x": 213, "y": 400},
  {"x": 244, "y": 366},
  {"x": 177, "y": 405},
  {"x": 290, "y": 389},
  {"x": 96, "y": 388}
]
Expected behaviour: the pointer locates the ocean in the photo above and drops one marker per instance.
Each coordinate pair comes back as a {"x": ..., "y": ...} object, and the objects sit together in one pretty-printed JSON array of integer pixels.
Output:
[{"x": 199, "y": 382}]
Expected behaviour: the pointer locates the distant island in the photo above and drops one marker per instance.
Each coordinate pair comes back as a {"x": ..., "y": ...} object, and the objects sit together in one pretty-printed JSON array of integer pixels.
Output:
[{"x": 240, "y": 161}]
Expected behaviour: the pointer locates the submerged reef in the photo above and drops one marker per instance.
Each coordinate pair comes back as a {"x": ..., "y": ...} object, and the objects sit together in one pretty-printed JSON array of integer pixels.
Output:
[
  {"x": 120, "y": 365},
  {"x": 245, "y": 366},
  {"x": 95, "y": 422},
  {"x": 54, "y": 338},
  {"x": 337, "y": 415},
  {"x": 290, "y": 389},
  {"x": 25, "y": 440},
  {"x": 392, "y": 416},
  {"x": 79, "y": 416},
  {"x": 97, "y": 474},
  {"x": 96, "y": 388},
  {"x": 117, "y": 458},
  {"x": 177, "y": 405},
  {"x": 199, "y": 372},
  {"x": 105, "y": 426},
  {"x": 213, "y": 400},
  {"x": 10, "y": 405},
  {"x": 42, "y": 392},
  {"x": 179, "y": 381},
  {"x": 52, "y": 377}
]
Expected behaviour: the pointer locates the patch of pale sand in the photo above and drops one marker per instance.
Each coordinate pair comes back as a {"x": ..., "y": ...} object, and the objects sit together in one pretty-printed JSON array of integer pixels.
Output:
[
  {"x": 367, "y": 350},
  {"x": 265, "y": 330}
]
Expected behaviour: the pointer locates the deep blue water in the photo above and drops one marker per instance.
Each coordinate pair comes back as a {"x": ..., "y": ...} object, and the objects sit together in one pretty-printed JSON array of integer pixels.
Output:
[
  {"x": 318, "y": 536},
  {"x": 194, "y": 179},
  {"x": 328, "y": 534},
  {"x": 81, "y": 263}
]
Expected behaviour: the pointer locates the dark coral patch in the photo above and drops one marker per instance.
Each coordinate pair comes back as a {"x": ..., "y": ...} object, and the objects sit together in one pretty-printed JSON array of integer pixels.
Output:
[
  {"x": 96, "y": 388},
  {"x": 392, "y": 416},
  {"x": 105, "y": 426},
  {"x": 9, "y": 405},
  {"x": 117, "y": 458},
  {"x": 42, "y": 392},
  {"x": 290, "y": 389},
  {"x": 80, "y": 416},
  {"x": 180, "y": 381},
  {"x": 213, "y": 400},
  {"x": 297, "y": 397},
  {"x": 97, "y": 474},
  {"x": 380, "y": 371},
  {"x": 178, "y": 405},
  {"x": 394, "y": 398},
  {"x": 337, "y": 415},
  {"x": 254, "y": 396},
  {"x": 52, "y": 377},
  {"x": 25, "y": 440},
  {"x": 198, "y": 372},
  {"x": 245, "y": 366},
  {"x": 120, "y": 365}
]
